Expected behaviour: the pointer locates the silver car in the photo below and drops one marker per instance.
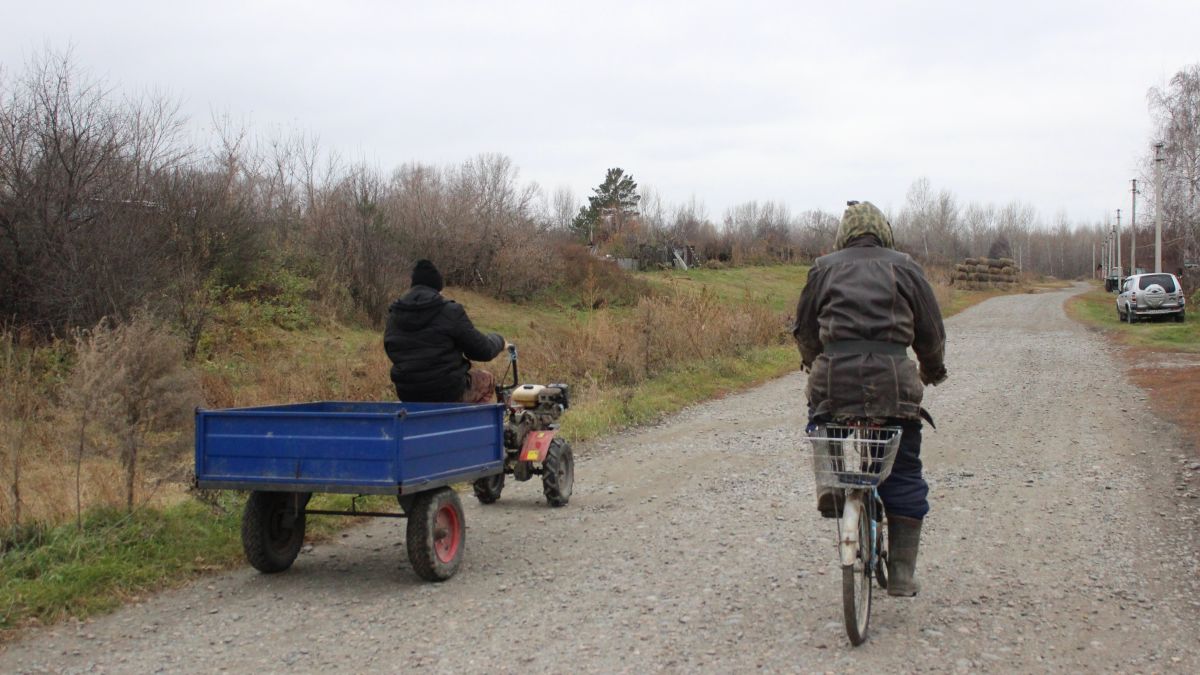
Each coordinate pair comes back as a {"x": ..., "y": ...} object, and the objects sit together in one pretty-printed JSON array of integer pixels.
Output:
[{"x": 1149, "y": 295}]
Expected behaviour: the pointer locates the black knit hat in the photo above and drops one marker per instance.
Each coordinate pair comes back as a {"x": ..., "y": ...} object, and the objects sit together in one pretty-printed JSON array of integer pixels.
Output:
[{"x": 425, "y": 274}]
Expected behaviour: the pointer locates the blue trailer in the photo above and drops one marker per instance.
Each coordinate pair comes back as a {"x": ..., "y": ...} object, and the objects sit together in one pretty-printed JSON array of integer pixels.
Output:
[{"x": 283, "y": 454}]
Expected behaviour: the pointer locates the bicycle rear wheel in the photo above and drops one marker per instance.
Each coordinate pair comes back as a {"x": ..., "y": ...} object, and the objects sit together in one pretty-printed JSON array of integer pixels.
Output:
[
  {"x": 881, "y": 545},
  {"x": 856, "y": 583}
]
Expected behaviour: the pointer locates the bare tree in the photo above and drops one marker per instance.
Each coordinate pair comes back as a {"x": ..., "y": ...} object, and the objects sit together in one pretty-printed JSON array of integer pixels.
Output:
[
  {"x": 563, "y": 207},
  {"x": 1176, "y": 114}
]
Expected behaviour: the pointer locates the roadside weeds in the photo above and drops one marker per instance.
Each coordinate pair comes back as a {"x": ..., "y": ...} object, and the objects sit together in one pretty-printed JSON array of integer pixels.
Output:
[{"x": 1162, "y": 358}]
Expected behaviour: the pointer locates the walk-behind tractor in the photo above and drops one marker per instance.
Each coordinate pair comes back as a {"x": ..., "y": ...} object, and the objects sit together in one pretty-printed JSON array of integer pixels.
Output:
[{"x": 531, "y": 443}]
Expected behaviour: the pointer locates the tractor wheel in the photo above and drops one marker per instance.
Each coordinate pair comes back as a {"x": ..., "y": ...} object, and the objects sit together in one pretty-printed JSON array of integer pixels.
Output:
[
  {"x": 436, "y": 534},
  {"x": 558, "y": 473},
  {"x": 487, "y": 490},
  {"x": 273, "y": 530}
]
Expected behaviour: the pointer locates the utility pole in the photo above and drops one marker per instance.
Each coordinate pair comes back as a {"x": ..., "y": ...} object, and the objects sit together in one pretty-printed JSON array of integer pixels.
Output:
[
  {"x": 1108, "y": 263},
  {"x": 1133, "y": 228},
  {"x": 1093, "y": 260},
  {"x": 1104, "y": 261},
  {"x": 1117, "y": 233},
  {"x": 1158, "y": 206}
]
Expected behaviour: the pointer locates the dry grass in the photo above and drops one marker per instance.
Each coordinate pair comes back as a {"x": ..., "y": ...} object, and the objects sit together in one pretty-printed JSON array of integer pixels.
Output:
[
  {"x": 248, "y": 361},
  {"x": 1174, "y": 391},
  {"x": 1162, "y": 357},
  {"x": 96, "y": 423}
]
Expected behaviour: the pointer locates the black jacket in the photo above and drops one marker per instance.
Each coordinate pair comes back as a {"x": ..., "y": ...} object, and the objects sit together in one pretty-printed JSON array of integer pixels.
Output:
[{"x": 431, "y": 343}]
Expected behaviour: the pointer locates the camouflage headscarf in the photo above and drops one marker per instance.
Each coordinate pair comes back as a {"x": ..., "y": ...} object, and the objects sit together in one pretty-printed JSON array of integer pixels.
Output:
[{"x": 864, "y": 218}]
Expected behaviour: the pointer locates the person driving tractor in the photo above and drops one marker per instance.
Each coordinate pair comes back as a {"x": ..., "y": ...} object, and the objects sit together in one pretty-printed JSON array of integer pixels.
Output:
[
  {"x": 431, "y": 344},
  {"x": 861, "y": 309}
]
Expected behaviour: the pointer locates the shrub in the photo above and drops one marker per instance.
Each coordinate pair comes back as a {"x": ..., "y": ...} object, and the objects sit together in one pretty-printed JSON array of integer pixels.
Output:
[
  {"x": 595, "y": 282},
  {"x": 129, "y": 378}
]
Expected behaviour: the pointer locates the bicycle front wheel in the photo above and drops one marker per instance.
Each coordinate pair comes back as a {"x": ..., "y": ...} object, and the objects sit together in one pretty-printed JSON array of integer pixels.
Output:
[{"x": 856, "y": 583}]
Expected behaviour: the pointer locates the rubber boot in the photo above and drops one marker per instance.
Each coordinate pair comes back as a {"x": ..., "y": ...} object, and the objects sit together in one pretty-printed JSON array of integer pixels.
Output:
[{"x": 904, "y": 537}]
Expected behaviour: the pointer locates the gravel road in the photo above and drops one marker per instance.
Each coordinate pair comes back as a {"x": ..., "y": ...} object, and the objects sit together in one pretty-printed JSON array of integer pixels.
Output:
[{"x": 1062, "y": 538}]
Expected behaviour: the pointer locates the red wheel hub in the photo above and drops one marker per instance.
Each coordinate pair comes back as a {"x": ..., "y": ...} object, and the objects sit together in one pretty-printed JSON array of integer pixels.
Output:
[{"x": 447, "y": 533}]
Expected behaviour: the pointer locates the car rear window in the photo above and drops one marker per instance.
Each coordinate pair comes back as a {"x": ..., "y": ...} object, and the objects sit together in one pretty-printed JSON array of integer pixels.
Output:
[{"x": 1165, "y": 280}]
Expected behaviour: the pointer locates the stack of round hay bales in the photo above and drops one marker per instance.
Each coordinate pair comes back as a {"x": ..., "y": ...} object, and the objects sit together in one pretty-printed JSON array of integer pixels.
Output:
[{"x": 982, "y": 273}]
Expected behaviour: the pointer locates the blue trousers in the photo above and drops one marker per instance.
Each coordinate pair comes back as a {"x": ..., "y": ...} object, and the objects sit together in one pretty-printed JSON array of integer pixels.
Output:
[{"x": 905, "y": 492}]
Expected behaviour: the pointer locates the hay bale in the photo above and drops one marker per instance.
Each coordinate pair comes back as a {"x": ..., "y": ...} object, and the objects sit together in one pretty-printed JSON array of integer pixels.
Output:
[
  {"x": 1009, "y": 270},
  {"x": 971, "y": 261},
  {"x": 961, "y": 268},
  {"x": 982, "y": 269},
  {"x": 1007, "y": 262},
  {"x": 995, "y": 263}
]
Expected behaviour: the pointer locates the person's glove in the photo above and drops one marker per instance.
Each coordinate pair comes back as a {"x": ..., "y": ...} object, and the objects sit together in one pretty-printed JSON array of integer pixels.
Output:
[{"x": 934, "y": 378}]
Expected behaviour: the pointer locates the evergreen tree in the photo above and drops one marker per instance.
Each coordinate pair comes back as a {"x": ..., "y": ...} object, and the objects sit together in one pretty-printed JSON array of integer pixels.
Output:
[{"x": 614, "y": 200}]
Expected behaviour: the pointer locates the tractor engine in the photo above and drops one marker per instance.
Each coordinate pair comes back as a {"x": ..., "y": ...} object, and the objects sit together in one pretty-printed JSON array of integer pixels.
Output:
[{"x": 534, "y": 407}]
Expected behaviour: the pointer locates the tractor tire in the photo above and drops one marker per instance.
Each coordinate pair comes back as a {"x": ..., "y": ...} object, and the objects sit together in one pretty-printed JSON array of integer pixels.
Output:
[
  {"x": 558, "y": 473},
  {"x": 436, "y": 534},
  {"x": 270, "y": 543},
  {"x": 487, "y": 490}
]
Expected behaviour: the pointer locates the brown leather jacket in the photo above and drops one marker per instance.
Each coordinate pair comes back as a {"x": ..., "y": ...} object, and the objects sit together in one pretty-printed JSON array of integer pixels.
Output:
[{"x": 861, "y": 308}]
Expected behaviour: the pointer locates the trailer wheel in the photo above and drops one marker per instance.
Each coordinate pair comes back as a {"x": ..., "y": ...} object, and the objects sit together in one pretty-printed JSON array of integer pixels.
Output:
[
  {"x": 487, "y": 490},
  {"x": 436, "y": 536},
  {"x": 273, "y": 529},
  {"x": 558, "y": 473}
]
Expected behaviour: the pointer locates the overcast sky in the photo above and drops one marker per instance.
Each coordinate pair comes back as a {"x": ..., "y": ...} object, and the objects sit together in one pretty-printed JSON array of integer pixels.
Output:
[{"x": 800, "y": 102}]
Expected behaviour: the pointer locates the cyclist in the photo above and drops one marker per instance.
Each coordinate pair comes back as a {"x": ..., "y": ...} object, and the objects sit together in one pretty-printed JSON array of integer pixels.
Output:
[{"x": 862, "y": 307}]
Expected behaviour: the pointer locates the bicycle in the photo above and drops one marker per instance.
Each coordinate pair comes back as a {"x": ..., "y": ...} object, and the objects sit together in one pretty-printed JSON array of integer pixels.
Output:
[{"x": 854, "y": 457}]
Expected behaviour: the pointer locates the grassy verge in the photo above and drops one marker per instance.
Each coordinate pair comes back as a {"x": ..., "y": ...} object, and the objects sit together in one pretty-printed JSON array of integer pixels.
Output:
[
  {"x": 1161, "y": 357},
  {"x": 1097, "y": 308},
  {"x": 777, "y": 285},
  {"x": 49, "y": 574},
  {"x": 953, "y": 301},
  {"x": 622, "y": 407}
]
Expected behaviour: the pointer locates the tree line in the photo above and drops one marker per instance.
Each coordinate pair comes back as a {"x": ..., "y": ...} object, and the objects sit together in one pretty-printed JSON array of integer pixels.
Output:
[{"x": 110, "y": 205}]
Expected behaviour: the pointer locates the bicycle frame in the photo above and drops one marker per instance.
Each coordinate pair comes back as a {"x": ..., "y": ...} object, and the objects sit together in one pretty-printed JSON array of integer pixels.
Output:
[{"x": 848, "y": 543}]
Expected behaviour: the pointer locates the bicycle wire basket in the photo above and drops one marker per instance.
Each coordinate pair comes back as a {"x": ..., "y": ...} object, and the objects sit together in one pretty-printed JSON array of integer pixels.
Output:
[{"x": 853, "y": 456}]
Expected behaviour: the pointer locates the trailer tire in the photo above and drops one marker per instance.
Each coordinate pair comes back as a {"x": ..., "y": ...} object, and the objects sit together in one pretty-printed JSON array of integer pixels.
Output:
[
  {"x": 558, "y": 473},
  {"x": 487, "y": 490},
  {"x": 270, "y": 542},
  {"x": 436, "y": 534}
]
